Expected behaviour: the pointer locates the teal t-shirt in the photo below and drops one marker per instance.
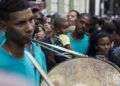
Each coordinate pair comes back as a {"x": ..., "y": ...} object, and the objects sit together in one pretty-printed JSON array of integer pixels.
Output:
[
  {"x": 23, "y": 66},
  {"x": 79, "y": 45}
]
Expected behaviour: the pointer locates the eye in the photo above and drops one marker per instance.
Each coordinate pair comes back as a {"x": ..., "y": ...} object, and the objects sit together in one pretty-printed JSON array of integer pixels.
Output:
[
  {"x": 31, "y": 20},
  {"x": 20, "y": 23}
]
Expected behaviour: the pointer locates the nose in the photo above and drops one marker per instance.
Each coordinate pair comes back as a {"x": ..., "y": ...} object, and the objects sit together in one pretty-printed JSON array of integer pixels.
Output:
[
  {"x": 30, "y": 27},
  {"x": 69, "y": 17}
]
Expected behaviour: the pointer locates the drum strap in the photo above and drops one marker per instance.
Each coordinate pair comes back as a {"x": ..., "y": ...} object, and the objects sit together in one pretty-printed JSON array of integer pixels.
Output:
[
  {"x": 109, "y": 62},
  {"x": 38, "y": 67}
]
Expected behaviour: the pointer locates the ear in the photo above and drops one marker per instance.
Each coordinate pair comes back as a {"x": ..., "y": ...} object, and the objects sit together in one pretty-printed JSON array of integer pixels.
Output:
[{"x": 2, "y": 25}]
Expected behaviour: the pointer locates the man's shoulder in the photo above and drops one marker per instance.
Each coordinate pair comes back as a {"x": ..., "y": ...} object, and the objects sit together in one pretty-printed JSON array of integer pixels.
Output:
[
  {"x": 2, "y": 51},
  {"x": 5, "y": 57},
  {"x": 36, "y": 45},
  {"x": 37, "y": 49},
  {"x": 39, "y": 55}
]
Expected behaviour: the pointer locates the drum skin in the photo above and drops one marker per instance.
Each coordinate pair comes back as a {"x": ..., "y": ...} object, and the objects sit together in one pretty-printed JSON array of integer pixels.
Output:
[{"x": 84, "y": 72}]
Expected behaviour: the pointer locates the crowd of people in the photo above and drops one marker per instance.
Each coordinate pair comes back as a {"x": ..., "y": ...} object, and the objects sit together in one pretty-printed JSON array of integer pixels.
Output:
[
  {"x": 94, "y": 36},
  {"x": 22, "y": 20}
]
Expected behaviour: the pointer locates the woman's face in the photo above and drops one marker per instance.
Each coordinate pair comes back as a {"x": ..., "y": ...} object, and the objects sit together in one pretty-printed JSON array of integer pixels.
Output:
[
  {"x": 72, "y": 17},
  {"x": 103, "y": 45}
]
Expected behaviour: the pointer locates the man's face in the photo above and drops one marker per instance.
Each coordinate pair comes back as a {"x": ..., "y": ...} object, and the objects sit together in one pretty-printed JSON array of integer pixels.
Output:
[
  {"x": 72, "y": 17},
  {"x": 20, "y": 26},
  {"x": 85, "y": 21}
]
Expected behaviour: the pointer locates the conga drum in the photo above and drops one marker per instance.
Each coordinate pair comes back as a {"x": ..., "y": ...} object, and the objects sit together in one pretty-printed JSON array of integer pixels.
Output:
[{"x": 84, "y": 72}]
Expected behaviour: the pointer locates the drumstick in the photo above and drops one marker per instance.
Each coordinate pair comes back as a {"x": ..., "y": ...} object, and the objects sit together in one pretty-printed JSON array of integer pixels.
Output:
[
  {"x": 60, "y": 48},
  {"x": 35, "y": 63}
]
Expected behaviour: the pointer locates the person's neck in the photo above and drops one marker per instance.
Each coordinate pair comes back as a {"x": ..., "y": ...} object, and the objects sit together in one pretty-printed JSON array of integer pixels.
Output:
[
  {"x": 76, "y": 36},
  {"x": 14, "y": 49}
]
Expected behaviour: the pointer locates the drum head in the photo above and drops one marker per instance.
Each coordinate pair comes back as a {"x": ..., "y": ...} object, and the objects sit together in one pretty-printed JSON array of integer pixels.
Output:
[{"x": 84, "y": 72}]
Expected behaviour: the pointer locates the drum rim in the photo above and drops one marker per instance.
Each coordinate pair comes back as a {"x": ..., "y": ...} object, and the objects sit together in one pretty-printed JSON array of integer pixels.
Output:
[{"x": 108, "y": 62}]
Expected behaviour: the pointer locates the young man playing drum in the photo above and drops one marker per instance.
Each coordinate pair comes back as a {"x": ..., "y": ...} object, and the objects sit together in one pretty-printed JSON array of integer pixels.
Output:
[{"x": 18, "y": 19}]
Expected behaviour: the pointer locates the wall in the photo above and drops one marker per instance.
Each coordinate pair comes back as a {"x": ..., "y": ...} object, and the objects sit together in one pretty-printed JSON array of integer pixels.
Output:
[{"x": 63, "y": 6}]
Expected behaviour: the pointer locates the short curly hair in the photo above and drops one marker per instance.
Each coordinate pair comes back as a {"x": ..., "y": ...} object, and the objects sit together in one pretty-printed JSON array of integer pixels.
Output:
[{"x": 9, "y": 6}]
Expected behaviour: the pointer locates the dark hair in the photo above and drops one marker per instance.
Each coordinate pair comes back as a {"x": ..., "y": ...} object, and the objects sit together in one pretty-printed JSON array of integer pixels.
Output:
[
  {"x": 78, "y": 14},
  {"x": 49, "y": 16},
  {"x": 109, "y": 27},
  {"x": 9, "y": 6},
  {"x": 85, "y": 15},
  {"x": 34, "y": 6},
  {"x": 58, "y": 24},
  {"x": 99, "y": 35},
  {"x": 117, "y": 23}
]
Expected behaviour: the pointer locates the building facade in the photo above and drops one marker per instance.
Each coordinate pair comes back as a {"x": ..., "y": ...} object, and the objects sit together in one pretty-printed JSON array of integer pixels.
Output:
[
  {"x": 105, "y": 7},
  {"x": 97, "y": 7},
  {"x": 63, "y": 6}
]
